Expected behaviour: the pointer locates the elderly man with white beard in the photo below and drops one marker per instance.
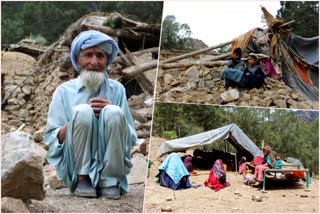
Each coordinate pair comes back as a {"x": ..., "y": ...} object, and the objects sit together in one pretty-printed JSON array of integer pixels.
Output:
[{"x": 90, "y": 130}]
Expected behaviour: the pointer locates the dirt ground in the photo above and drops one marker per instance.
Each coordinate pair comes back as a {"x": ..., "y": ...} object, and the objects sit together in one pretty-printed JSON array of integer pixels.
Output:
[
  {"x": 62, "y": 201},
  {"x": 279, "y": 198}
]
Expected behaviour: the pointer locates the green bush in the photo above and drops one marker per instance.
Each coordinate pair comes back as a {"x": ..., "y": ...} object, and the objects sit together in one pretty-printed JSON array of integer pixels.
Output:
[
  {"x": 169, "y": 135},
  {"x": 109, "y": 23},
  {"x": 38, "y": 38}
]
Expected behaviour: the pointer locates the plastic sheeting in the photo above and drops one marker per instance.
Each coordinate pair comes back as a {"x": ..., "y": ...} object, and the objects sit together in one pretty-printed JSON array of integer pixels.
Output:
[
  {"x": 299, "y": 75},
  {"x": 306, "y": 48},
  {"x": 210, "y": 137}
]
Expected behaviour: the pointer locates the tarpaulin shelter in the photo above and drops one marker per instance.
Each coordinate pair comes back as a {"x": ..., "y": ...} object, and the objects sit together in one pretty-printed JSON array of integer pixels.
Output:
[
  {"x": 297, "y": 57},
  {"x": 232, "y": 133}
]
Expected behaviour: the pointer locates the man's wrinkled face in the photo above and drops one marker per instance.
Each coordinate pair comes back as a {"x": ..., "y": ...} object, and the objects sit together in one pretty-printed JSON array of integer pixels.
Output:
[
  {"x": 92, "y": 63},
  {"x": 93, "y": 59}
]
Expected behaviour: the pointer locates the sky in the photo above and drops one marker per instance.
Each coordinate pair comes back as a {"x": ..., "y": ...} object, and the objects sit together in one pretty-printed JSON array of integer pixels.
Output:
[{"x": 215, "y": 22}]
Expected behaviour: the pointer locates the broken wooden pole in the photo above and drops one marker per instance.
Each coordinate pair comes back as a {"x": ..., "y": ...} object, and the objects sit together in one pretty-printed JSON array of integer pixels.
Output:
[
  {"x": 137, "y": 69},
  {"x": 174, "y": 59},
  {"x": 214, "y": 58},
  {"x": 124, "y": 33},
  {"x": 189, "y": 64},
  {"x": 138, "y": 53}
]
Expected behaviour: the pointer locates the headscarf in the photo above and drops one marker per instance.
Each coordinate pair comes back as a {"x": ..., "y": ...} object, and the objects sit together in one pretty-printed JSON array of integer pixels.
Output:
[
  {"x": 91, "y": 38},
  {"x": 267, "y": 149},
  {"x": 174, "y": 167},
  {"x": 218, "y": 169},
  {"x": 269, "y": 155},
  {"x": 217, "y": 177},
  {"x": 188, "y": 163}
]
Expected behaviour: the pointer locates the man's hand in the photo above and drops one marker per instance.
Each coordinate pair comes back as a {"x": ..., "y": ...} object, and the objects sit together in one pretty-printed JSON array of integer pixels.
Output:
[
  {"x": 62, "y": 133},
  {"x": 97, "y": 104}
]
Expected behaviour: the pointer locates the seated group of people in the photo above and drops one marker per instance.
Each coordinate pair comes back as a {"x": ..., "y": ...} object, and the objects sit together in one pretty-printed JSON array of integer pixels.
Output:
[
  {"x": 174, "y": 173},
  {"x": 268, "y": 162},
  {"x": 240, "y": 75}
]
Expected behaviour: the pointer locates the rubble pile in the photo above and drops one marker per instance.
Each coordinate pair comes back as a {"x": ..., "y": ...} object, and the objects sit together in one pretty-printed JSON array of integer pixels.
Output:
[{"x": 193, "y": 81}]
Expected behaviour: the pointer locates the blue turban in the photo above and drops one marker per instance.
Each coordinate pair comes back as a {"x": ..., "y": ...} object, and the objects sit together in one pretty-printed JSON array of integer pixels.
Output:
[{"x": 91, "y": 38}]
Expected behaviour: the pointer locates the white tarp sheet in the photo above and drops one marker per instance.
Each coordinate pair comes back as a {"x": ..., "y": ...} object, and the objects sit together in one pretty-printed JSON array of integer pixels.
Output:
[{"x": 209, "y": 137}]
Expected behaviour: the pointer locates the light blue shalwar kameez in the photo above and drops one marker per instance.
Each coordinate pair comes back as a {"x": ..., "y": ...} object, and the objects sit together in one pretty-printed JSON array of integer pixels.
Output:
[{"x": 98, "y": 147}]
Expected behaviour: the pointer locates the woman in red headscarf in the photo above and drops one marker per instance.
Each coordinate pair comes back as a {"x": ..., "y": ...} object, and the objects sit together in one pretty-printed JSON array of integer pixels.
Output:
[{"x": 217, "y": 177}]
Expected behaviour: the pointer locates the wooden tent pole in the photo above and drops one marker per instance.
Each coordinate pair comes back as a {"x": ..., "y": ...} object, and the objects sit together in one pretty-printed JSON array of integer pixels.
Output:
[{"x": 174, "y": 59}]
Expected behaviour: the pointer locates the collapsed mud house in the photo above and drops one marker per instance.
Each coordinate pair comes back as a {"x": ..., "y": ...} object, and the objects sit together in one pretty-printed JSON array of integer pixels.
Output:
[{"x": 195, "y": 77}]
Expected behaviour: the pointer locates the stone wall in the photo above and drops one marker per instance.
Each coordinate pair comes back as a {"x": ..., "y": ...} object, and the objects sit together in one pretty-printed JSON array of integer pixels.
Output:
[{"x": 19, "y": 108}]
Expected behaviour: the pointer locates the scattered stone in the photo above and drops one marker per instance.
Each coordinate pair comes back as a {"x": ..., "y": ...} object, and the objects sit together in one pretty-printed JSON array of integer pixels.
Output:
[
  {"x": 280, "y": 103},
  {"x": 62, "y": 74},
  {"x": 166, "y": 209},
  {"x": 230, "y": 95},
  {"x": 282, "y": 91},
  {"x": 168, "y": 78},
  {"x": 295, "y": 96},
  {"x": 193, "y": 73},
  {"x": 209, "y": 83},
  {"x": 13, "y": 101},
  {"x": 26, "y": 89},
  {"x": 201, "y": 83},
  {"x": 246, "y": 96},
  {"x": 193, "y": 77},
  {"x": 5, "y": 128},
  {"x": 13, "y": 205},
  {"x": 53, "y": 181},
  {"x": 299, "y": 106},
  {"x": 38, "y": 135},
  {"x": 43, "y": 153}
]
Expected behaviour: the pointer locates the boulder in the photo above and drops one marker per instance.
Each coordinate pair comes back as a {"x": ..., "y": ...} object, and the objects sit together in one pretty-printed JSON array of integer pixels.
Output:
[
  {"x": 192, "y": 75},
  {"x": 53, "y": 181},
  {"x": 21, "y": 167},
  {"x": 280, "y": 103},
  {"x": 26, "y": 89},
  {"x": 15, "y": 123},
  {"x": 13, "y": 205},
  {"x": 230, "y": 95},
  {"x": 138, "y": 171},
  {"x": 209, "y": 83},
  {"x": 38, "y": 135},
  {"x": 43, "y": 153}
]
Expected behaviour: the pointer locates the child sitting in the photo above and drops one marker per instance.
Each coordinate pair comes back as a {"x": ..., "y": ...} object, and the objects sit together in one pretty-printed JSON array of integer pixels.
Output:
[
  {"x": 253, "y": 75},
  {"x": 278, "y": 161}
]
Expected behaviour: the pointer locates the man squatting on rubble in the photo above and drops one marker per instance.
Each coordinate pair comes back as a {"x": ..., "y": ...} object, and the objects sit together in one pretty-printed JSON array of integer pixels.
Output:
[{"x": 90, "y": 130}]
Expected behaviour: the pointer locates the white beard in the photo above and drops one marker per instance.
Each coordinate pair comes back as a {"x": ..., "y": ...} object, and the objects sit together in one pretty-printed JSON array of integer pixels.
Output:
[{"x": 92, "y": 79}]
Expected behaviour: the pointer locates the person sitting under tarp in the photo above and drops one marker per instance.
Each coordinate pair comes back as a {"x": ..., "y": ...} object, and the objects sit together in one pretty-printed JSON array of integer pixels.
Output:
[
  {"x": 233, "y": 74},
  {"x": 242, "y": 165},
  {"x": 253, "y": 75},
  {"x": 217, "y": 178},
  {"x": 187, "y": 161},
  {"x": 173, "y": 174}
]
